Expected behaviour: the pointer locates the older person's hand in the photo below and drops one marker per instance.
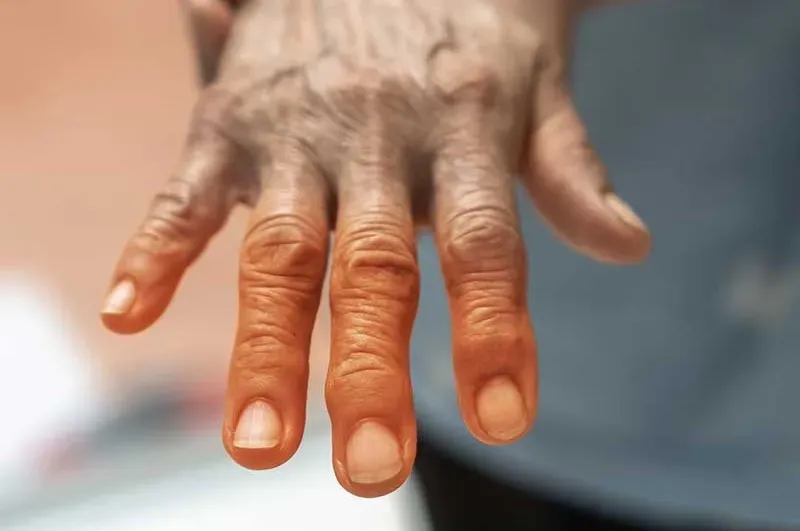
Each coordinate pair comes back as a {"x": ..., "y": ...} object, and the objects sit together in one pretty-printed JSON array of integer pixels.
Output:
[{"x": 371, "y": 118}]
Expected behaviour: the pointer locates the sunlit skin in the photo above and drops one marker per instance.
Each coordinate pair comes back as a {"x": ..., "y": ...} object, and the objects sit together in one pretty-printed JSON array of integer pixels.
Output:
[{"x": 372, "y": 120}]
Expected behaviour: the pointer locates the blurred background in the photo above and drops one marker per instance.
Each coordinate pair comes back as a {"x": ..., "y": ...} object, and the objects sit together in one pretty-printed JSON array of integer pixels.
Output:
[{"x": 109, "y": 432}]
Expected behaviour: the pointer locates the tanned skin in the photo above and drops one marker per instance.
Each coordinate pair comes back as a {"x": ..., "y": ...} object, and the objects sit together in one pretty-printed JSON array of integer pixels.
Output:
[{"x": 372, "y": 120}]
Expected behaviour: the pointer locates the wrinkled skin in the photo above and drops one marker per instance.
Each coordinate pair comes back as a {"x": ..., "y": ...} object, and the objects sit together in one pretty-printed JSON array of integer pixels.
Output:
[{"x": 372, "y": 119}]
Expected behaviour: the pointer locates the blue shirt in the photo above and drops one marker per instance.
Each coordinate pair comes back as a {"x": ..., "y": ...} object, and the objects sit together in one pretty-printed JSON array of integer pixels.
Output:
[{"x": 671, "y": 388}]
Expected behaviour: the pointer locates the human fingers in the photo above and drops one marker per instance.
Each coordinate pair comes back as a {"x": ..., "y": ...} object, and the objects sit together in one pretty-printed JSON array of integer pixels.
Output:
[
  {"x": 569, "y": 186},
  {"x": 374, "y": 295},
  {"x": 282, "y": 268},
  {"x": 183, "y": 217},
  {"x": 484, "y": 267}
]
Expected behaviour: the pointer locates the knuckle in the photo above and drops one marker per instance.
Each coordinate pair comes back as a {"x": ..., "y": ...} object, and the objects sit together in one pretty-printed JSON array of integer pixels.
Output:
[
  {"x": 504, "y": 349},
  {"x": 485, "y": 261},
  {"x": 488, "y": 305},
  {"x": 365, "y": 364},
  {"x": 525, "y": 38},
  {"x": 362, "y": 372},
  {"x": 483, "y": 239},
  {"x": 180, "y": 207},
  {"x": 157, "y": 237},
  {"x": 284, "y": 250},
  {"x": 370, "y": 99},
  {"x": 463, "y": 80},
  {"x": 368, "y": 85},
  {"x": 179, "y": 199},
  {"x": 376, "y": 256},
  {"x": 263, "y": 356},
  {"x": 477, "y": 83},
  {"x": 267, "y": 330},
  {"x": 565, "y": 149},
  {"x": 177, "y": 221},
  {"x": 379, "y": 327}
]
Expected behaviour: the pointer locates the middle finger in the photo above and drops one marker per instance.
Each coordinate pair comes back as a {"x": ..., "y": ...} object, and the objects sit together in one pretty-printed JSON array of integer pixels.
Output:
[{"x": 374, "y": 296}]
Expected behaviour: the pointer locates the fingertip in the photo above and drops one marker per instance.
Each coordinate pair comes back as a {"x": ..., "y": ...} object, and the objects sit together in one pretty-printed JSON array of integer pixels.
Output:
[
  {"x": 121, "y": 298},
  {"x": 369, "y": 491},
  {"x": 259, "y": 439},
  {"x": 118, "y": 305},
  {"x": 374, "y": 462},
  {"x": 628, "y": 250},
  {"x": 257, "y": 459},
  {"x": 502, "y": 414},
  {"x": 259, "y": 427},
  {"x": 122, "y": 324},
  {"x": 132, "y": 323},
  {"x": 132, "y": 306},
  {"x": 624, "y": 212},
  {"x": 599, "y": 225},
  {"x": 568, "y": 184},
  {"x": 630, "y": 241}
]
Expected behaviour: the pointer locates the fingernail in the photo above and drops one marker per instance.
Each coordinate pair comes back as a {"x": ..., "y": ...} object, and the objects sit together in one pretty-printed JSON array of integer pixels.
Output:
[
  {"x": 373, "y": 454},
  {"x": 501, "y": 410},
  {"x": 624, "y": 211},
  {"x": 121, "y": 299},
  {"x": 259, "y": 427}
]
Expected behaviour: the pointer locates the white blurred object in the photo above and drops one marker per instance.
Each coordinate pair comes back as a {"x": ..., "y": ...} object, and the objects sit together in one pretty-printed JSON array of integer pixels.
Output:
[
  {"x": 300, "y": 496},
  {"x": 48, "y": 386}
]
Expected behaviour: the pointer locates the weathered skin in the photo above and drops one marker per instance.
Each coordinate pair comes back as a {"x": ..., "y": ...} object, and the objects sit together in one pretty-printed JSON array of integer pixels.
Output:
[{"x": 371, "y": 118}]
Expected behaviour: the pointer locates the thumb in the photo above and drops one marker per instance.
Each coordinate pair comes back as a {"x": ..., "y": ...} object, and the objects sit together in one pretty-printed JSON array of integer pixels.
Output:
[{"x": 568, "y": 184}]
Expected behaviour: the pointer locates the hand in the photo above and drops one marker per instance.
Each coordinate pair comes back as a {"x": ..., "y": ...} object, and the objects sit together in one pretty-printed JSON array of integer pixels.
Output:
[{"x": 372, "y": 118}]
